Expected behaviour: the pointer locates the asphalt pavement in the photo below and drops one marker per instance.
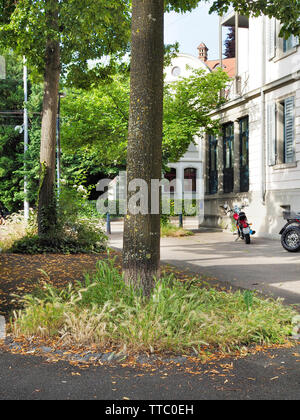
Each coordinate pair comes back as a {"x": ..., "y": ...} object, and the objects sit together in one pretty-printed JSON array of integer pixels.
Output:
[
  {"x": 263, "y": 265},
  {"x": 267, "y": 375},
  {"x": 270, "y": 375}
]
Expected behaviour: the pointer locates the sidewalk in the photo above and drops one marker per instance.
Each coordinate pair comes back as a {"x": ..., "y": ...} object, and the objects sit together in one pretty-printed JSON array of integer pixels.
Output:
[{"x": 263, "y": 265}]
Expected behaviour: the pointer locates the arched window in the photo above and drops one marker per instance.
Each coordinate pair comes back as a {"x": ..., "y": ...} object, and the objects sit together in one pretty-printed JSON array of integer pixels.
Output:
[
  {"x": 190, "y": 180},
  {"x": 170, "y": 176}
]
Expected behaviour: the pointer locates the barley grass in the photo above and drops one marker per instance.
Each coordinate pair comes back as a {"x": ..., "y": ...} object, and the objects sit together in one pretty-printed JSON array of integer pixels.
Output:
[
  {"x": 15, "y": 228},
  {"x": 178, "y": 317}
]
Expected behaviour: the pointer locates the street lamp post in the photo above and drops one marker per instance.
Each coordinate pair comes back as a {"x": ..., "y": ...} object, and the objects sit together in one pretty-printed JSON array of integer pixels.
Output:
[
  {"x": 58, "y": 145},
  {"x": 25, "y": 127}
]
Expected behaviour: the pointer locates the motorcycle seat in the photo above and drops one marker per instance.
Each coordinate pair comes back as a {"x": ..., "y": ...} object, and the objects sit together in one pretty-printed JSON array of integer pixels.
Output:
[{"x": 291, "y": 215}]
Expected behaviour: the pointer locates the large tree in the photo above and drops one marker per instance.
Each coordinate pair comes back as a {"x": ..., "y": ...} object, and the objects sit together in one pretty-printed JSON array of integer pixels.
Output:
[
  {"x": 141, "y": 252},
  {"x": 58, "y": 38}
]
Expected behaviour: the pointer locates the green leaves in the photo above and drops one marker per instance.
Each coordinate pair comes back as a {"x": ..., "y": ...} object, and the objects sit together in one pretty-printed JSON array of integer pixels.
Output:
[
  {"x": 181, "y": 5},
  {"x": 86, "y": 30},
  {"x": 97, "y": 120},
  {"x": 286, "y": 11},
  {"x": 248, "y": 299},
  {"x": 188, "y": 103}
]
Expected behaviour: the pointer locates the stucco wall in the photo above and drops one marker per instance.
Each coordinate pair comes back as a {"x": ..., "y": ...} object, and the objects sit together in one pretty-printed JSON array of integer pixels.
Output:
[{"x": 269, "y": 186}]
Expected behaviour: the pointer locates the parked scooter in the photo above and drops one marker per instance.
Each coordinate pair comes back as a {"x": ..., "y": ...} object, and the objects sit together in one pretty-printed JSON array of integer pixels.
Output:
[
  {"x": 290, "y": 233},
  {"x": 244, "y": 230}
]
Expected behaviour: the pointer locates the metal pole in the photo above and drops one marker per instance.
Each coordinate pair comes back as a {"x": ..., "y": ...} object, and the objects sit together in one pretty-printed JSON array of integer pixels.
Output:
[
  {"x": 180, "y": 220},
  {"x": 263, "y": 114},
  {"x": 25, "y": 125},
  {"x": 108, "y": 225},
  {"x": 221, "y": 48},
  {"x": 237, "y": 88},
  {"x": 58, "y": 154}
]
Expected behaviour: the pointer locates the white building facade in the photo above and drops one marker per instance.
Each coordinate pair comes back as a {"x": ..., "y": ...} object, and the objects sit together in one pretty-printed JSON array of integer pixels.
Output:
[
  {"x": 256, "y": 157},
  {"x": 189, "y": 170}
]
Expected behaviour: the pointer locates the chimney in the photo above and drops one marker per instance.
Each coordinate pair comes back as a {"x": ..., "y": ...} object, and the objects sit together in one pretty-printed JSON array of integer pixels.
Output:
[{"x": 203, "y": 52}]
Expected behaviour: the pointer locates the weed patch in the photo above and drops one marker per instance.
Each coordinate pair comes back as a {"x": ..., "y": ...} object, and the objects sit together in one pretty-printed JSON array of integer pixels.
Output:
[{"x": 178, "y": 316}]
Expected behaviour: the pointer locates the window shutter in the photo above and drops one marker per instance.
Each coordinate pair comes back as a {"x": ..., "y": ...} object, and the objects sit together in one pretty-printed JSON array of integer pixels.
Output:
[
  {"x": 271, "y": 133},
  {"x": 289, "y": 147},
  {"x": 271, "y": 38}
]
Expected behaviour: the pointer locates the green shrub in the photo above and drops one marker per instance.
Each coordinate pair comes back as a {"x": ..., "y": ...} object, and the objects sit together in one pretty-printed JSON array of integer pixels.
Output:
[
  {"x": 93, "y": 241},
  {"x": 74, "y": 232},
  {"x": 14, "y": 229},
  {"x": 185, "y": 207},
  {"x": 167, "y": 230}
]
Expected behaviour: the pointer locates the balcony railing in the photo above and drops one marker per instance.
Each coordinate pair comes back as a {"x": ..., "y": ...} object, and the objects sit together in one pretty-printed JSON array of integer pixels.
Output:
[{"x": 238, "y": 87}]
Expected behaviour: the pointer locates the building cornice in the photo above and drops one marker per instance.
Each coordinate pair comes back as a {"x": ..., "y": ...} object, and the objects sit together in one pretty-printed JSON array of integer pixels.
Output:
[{"x": 268, "y": 87}]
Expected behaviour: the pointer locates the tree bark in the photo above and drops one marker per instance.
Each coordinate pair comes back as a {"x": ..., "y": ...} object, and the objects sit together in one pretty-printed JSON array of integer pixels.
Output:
[
  {"x": 46, "y": 196},
  {"x": 141, "y": 252}
]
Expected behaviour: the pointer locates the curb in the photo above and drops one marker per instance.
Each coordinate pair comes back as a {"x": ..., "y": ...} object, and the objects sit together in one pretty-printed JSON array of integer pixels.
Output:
[{"x": 90, "y": 357}]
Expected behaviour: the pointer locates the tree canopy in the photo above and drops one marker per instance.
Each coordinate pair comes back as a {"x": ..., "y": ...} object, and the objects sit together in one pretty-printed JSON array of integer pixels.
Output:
[
  {"x": 96, "y": 121},
  {"x": 286, "y": 11},
  {"x": 86, "y": 30}
]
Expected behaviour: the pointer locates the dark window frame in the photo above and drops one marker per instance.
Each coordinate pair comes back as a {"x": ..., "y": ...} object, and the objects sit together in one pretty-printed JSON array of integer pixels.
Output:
[
  {"x": 244, "y": 160},
  {"x": 213, "y": 169},
  {"x": 228, "y": 166}
]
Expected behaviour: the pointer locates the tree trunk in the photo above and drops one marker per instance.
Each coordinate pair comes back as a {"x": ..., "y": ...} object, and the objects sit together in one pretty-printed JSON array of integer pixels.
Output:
[
  {"x": 46, "y": 195},
  {"x": 141, "y": 252}
]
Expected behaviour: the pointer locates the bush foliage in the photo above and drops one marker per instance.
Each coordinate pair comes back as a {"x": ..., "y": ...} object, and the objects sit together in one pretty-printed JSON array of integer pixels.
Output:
[{"x": 76, "y": 230}]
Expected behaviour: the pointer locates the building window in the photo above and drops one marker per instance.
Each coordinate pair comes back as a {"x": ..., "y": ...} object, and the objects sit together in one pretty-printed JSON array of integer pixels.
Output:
[
  {"x": 190, "y": 180},
  {"x": 281, "y": 131},
  {"x": 244, "y": 154},
  {"x": 290, "y": 43},
  {"x": 288, "y": 130},
  {"x": 176, "y": 71},
  {"x": 277, "y": 47},
  {"x": 228, "y": 159},
  {"x": 213, "y": 164},
  {"x": 171, "y": 177}
]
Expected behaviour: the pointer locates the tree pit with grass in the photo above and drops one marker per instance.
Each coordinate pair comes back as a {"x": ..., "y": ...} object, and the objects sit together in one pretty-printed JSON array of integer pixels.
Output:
[{"x": 178, "y": 317}]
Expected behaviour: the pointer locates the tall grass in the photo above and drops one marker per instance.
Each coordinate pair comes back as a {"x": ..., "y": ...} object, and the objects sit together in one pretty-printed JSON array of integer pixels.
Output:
[
  {"x": 15, "y": 228},
  {"x": 177, "y": 317},
  {"x": 169, "y": 230}
]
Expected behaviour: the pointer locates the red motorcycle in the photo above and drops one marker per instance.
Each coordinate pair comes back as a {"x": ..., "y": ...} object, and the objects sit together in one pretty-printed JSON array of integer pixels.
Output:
[{"x": 243, "y": 227}]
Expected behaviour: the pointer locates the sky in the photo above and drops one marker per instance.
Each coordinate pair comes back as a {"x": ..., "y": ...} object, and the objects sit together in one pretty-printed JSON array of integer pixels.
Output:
[{"x": 190, "y": 29}]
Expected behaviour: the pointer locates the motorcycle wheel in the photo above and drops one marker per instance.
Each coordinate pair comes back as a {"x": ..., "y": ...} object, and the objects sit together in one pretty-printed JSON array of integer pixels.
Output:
[
  {"x": 290, "y": 239},
  {"x": 247, "y": 239}
]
